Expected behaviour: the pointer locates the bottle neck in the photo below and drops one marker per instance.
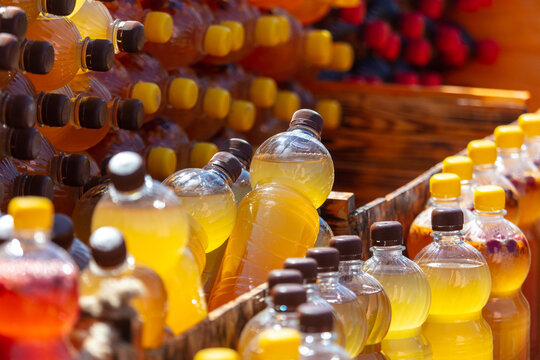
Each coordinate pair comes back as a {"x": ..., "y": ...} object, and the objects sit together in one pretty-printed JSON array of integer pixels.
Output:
[
  {"x": 82, "y": 47},
  {"x": 41, "y": 5},
  {"x": 127, "y": 265},
  {"x": 55, "y": 170},
  {"x": 320, "y": 339},
  {"x": 30, "y": 237},
  {"x": 328, "y": 279},
  {"x": 305, "y": 130},
  {"x": 112, "y": 113},
  {"x": 509, "y": 152},
  {"x": 112, "y": 33},
  {"x": 22, "y": 50},
  {"x": 133, "y": 194},
  {"x": 387, "y": 251},
  {"x": 219, "y": 172},
  {"x": 446, "y": 238},
  {"x": 450, "y": 202},
  {"x": 484, "y": 169},
  {"x": 490, "y": 216},
  {"x": 285, "y": 318},
  {"x": 351, "y": 267}
]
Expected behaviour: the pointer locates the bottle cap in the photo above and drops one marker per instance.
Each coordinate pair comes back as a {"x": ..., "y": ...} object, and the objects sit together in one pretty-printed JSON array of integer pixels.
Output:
[
  {"x": 239, "y": 148},
  {"x": 99, "y": 55},
  {"x": 218, "y": 40},
  {"x": 227, "y": 162},
  {"x": 161, "y": 162},
  {"x": 290, "y": 296},
  {"x": 287, "y": 102},
  {"x": 75, "y": 170},
  {"x": 530, "y": 124},
  {"x": 447, "y": 219},
  {"x": 327, "y": 258},
  {"x": 20, "y": 111},
  {"x": 9, "y": 52},
  {"x": 6, "y": 228},
  {"x": 34, "y": 185},
  {"x": 217, "y": 103},
  {"x": 482, "y": 152},
  {"x": 13, "y": 21},
  {"x": 342, "y": 57},
  {"x": 241, "y": 115},
  {"x": 386, "y": 233},
  {"x": 62, "y": 231},
  {"x": 319, "y": 48},
  {"x": 445, "y": 186},
  {"x": 217, "y": 354},
  {"x": 127, "y": 171},
  {"x": 315, "y": 318},
  {"x": 462, "y": 166},
  {"x": 349, "y": 247},
  {"x": 60, "y": 7},
  {"x": 489, "y": 198},
  {"x": 31, "y": 212},
  {"x": 37, "y": 57},
  {"x": 201, "y": 154},
  {"x": 183, "y": 93},
  {"x": 108, "y": 247},
  {"x": 55, "y": 109},
  {"x": 158, "y": 27},
  {"x": 509, "y": 137},
  {"x": 289, "y": 276},
  {"x": 309, "y": 118},
  {"x": 130, "y": 114},
  {"x": 284, "y": 29},
  {"x": 24, "y": 144},
  {"x": 279, "y": 344},
  {"x": 267, "y": 31},
  {"x": 330, "y": 111},
  {"x": 92, "y": 112},
  {"x": 130, "y": 36},
  {"x": 238, "y": 34},
  {"x": 149, "y": 94},
  {"x": 306, "y": 266},
  {"x": 263, "y": 92}
]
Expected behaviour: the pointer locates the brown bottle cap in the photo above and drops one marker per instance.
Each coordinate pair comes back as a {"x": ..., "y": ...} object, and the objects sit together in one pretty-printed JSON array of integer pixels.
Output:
[
  {"x": 13, "y": 21},
  {"x": 9, "y": 52},
  {"x": 386, "y": 233},
  {"x": 309, "y": 118},
  {"x": 130, "y": 36},
  {"x": 228, "y": 163},
  {"x": 24, "y": 144},
  {"x": 130, "y": 114},
  {"x": 289, "y": 295},
  {"x": 127, "y": 171},
  {"x": 307, "y": 266},
  {"x": 38, "y": 57},
  {"x": 55, "y": 109},
  {"x": 239, "y": 148},
  {"x": 447, "y": 219},
  {"x": 99, "y": 55},
  {"x": 62, "y": 232},
  {"x": 108, "y": 247},
  {"x": 276, "y": 277},
  {"x": 20, "y": 111},
  {"x": 60, "y": 7},
  {"x": 75, "y": 169},
  {"x": 327, "y": 258},
  {"x": 315, "y": 318},
  {"x": 349, "y": 247},
  {"x": 92, "y": 112},
  {"x": 33, "y": 185}
]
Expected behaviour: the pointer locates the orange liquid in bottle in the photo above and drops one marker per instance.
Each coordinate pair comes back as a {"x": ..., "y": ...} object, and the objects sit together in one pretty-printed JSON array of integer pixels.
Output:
[{"x": 310, "y": 11}]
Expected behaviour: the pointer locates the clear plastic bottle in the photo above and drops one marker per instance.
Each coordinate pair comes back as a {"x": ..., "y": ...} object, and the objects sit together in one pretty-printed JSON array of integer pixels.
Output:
[
  {"x": 217, "y": 354},
  {"x": 325, "y": 234},
  {"x": 462, "y": 166},
  {"x": 115, "y": 142},
  {"x": 508, "y": 256},
  {"x": 296, "y": 159},
  {"x": 375, "y": 302},
  {"x": 40, "y": 297},
  {"x": 62, "y": 235},
  {"x": 33, "y": 8},
  {"x": 406, "y": 287},
  {"x": 530, "y": 124},
  {"x": 13, "y": 20},
  {"x": 345, "y": 302},
  {"x": 243, "y": 152},
  {"x": 164, "y": 132},
  {"x": 279, "y": 344},
  {"x": 13, "y": 184},
  {"x": 445, "y": 191},
  {"x": 460, "y": 284},
  {"x": 111, "y": 261},
  {"x": 211, "y": 116}
]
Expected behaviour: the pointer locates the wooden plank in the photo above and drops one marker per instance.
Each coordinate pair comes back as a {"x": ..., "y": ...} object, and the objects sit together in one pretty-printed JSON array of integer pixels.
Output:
[{"x": 337, "y": 211}]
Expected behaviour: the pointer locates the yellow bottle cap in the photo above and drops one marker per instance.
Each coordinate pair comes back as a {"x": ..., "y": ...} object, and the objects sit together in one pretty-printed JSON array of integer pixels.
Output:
[
  {"x": 279, "y": 344},
  {"x": 183, "y": 93},
  {"x": 218, "y": 40},
  {"x": 287, "y": 103},
  {"x": 319, "y": 48},
  {"x": 263, "y": 92},
  {"x": 242, "y": 115},
  {"x": 284, "y": 29},
  {"x": 161, "y": 162},
  {"x": 158, "y": 27},
  {"x": 445, "y": 186},
  {"x": 462, "y": 166},
  {"x": 31, "y": 212},
  {"x": 509, "y": 137},
  {"x": 149, "y": 94},
  {"x": 217, "y": 103},
  {"x": 217, "y": 354},
  {"x": 530, "y": 124},
  {"x": 201, "y": 154},
  {"x": 330, "y": 110},
  {"x": 237, "y": 32},
  {"x": 342, "y": 57},
  {"x": 267, "y": 31},
  {"x": 489, "y": 198},
  {"x": 482, "y": 152}
]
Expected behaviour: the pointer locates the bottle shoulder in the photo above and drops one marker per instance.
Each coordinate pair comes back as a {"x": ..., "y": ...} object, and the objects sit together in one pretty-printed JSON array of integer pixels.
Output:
[
  {"x": 440, "y": 254},
  {"x": 481, "y": 231},
  {"x": 391, "y": 265},
  {"x": 196, "y": 182},
  {"x": 152, "y": 195},
  {"x": 295, "y": 143}
]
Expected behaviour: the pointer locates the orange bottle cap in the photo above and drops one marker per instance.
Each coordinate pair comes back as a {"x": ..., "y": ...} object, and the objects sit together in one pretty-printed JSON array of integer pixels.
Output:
[
  {"x": 509, "y": 137},
  {"x": 462, "y": 166},
  {"x": 530, "y": 124},
  {"x": 445, "y": 186},
  {"x": 31, "y": 212},
  {"x": 482, "y": 152},
  {"x": 319, "y": 48}
]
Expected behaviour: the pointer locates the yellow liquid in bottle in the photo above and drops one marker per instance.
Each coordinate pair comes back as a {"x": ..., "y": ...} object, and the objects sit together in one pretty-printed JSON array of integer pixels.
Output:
[
  {"x": 93, "y": 20},
  {"x": 356, "y": 331},
  {"x": 378, "y": 311}
]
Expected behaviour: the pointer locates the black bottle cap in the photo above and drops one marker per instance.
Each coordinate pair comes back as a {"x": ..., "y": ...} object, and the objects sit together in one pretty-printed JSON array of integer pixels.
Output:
[
  {"x": 34, "y": 185},
  {"x": 38, "y": 57},
  {"x": 99, "y": 55},
  {"x": 276, "y": 277},
  {"x": 60, "y": 7},
  {"x": 24, "y": 144},
  {"x": 130, "y": 114},
  {"x": 309, "y": 118},
  {"x": 108, "y": 247},
  {"x": 20, "y": 111},
  {"x": 127, "y": 171},
  {"x": 315, "y": 318},
  {"x": 13, "y": 21},
  {"x": 55, "y": 109},
  {"x": 447, "y": 219},
  {"x": 130, "y": 37},
  {"x": 349, "y": 247},
  {"x": 9, "y": 52},
  {"x": 289, "y": 295},
  {"x": 92, "y": 112},
  {"x": 386, "y": 233},
  {"x": 327, "y": 258},
  {"x": 62, "y": 231},
  {"x": 239, "y": 148},
  {"x": 75, "y": 169},
  {"x": 227, "y": 162},
  {"x": 307, "y": 266}
]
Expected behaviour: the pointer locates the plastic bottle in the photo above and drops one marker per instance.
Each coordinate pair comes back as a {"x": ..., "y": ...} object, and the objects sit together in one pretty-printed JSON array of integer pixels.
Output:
[
  {"x": 10, "y": 51},
  {"x": 36, "y": 323},
  {"x": 507, "y": 253},
  {"x": 348, "y": 307},
  {"x": 279, "y": 344},
  {"x": 445, "y": 192},
  {"x": 243, "y": 152},
  {"x": 460, "y": 284},
  {"x": 530, "y": 124},
  {"x": 212, "y": 116},
  {"x": 63, "y": 236},
  {"x": 13, "y": 184},
  {"x": 71, "y": 53},
  {"x": 13, "y": 21},
  {"x": 111, "y": 261},
  {"x": 370, "y": 292},
  {"x": 33, "y": 8},
  {"x": 217, "y": 354},
  {"x": 296, "y": 159},
  {"x": 115, "y": 142},
  {"x": 406, "y": 287},
  {"x": 462, "y": 166},
  {"x": 325, "y": 234},
  {"x": 310, "y": 11}
]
